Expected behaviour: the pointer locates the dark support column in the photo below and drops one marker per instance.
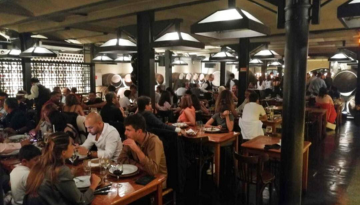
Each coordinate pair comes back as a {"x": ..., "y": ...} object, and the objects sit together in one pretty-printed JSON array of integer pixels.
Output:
[
  {"x": 168, "y": 69},
  {"x": 357, "y": 96},
  {"x": 92, "y": 78},
  {"x": 25, "y": 43},
  {"x": 222, "y": 73},
  {"x": 280, "y": 71},
  {"x": 264, "y": 68},
  {"x": 296, "y": 50},
  {"x": 146, "y": 73},
  {"x": 244, "y": 44}
]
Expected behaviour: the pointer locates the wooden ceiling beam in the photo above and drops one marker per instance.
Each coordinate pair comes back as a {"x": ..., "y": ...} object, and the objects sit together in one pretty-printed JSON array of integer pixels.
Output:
[
  {"x": 9, "y": 7},
  {"x": 124, "y": 10}
]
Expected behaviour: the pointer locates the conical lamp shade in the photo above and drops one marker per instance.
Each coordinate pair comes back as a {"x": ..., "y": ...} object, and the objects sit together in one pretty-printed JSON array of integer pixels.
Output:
[{"x": 37, "y": 51}]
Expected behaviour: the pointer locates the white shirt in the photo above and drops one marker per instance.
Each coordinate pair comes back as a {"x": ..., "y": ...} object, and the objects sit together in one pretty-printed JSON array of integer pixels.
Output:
[
  {"x": 180, "y": 91},
  {"x": 260, "y": 87},
  {"x": 252, "y": 111},
  {"x": 109, "y": 144},
  {"x": 18, "y": 177},
  {"x": 268, "y": 84},
  {"x": 3, "y": 114},
  {"x": 34, "y": 92},
  {"x": 124, "y": 102},
  {"x": 157, "y": 97},
  {"x": 204, "y": 86}
]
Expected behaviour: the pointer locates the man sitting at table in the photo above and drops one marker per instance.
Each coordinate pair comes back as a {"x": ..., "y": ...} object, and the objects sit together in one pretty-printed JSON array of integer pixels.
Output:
[
  {"x": 145, "y": 109},
  {"x": 94, "y": 102},
  {"x": 28, "y": 156},
  {"x": 142, "y": 148},
  {"x": 104, "y": 136},
  {"x": 15, "y": 121},
  {"x": 253, "y": 113}
]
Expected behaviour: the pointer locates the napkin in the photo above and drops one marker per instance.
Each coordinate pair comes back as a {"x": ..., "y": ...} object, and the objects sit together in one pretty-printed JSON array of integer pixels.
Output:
[
  {"x": 82, "y": 181},
  {"x": 190, "y": 132}
]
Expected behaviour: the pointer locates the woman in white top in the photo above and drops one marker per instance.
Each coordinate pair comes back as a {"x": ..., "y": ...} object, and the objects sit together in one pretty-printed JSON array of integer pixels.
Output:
[
  {"x": 260, "y": 84},
  {"x": 164, "y": 102},
  {"x": 268, "y": 85}
]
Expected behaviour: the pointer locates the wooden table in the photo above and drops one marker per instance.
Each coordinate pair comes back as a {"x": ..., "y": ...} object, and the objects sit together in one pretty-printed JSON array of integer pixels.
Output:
[
  {"x": 256, "y": 146},
  {"x": 273, "y": 123},
  {"x": 217, "y": 140},
  {"x": 128, "y": 193}
]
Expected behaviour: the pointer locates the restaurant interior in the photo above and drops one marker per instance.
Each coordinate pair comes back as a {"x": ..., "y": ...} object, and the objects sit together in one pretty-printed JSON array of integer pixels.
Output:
[{"x": 153, "y": 45}]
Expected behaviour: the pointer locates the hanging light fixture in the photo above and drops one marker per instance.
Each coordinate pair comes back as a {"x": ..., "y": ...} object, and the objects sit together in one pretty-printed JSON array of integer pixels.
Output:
[
  {"x": 103, "y": 59},
  {"x": 13, "y": 53},
  {"x": 232, "y": 63},
  {"x": 353, "y": 63},
  {"x": 230, "y": 23},
  {"x": 343, "y": 55},
  {"x": 349, "y": 14},
  {"x": 275, "y": 64},
  {"x": 123, "y": 59},
  {"x": 178, "y": 62},
  {"x": 39, "y": 36},
  {"x": 255, "y": 62},
  {"x": 37, "y": 51},
  {"x": 266, "y": 54},
  {"x": 178, "y": 41},
  {"x": 223, "y": 56},
  {"x": 118, "y": 45}
]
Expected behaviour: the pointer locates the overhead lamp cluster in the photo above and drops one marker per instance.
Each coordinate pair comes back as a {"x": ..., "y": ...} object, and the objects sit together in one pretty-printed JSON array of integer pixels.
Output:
[{"x": 104, "y": 58}]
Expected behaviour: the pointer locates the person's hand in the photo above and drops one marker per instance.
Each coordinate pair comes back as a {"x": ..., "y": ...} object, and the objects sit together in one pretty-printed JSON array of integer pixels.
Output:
[
  {"x": 33, "y": 132},
  {"x": 25, "y": 142},
  {"x": 82, "y": 150},
  {"x": 131, "y": 143},
  {"x": 207, "y": 126},
  {"x": 219, "y": 126},
  {"x": 95, "y": 181},
  {"x": 10, "y": 130},
  {"x": 226, "y": 113}
]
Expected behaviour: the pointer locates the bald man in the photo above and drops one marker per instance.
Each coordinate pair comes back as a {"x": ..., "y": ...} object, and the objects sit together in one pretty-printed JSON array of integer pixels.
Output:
[{"x": 104, "y": 136}]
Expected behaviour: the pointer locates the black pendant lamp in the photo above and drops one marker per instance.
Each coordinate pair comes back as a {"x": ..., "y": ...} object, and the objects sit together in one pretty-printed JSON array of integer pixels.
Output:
[
  {"x": 266, "y": 54},
  {"x": 37, "y": 51},
  {"x": 349, "y": 13},
  {"x": 343, "y": 55},
  {"x": 255, "y": 62},
  {"x": 103, "y": 59},
  {"x": 118, "y": 45},
  {"x": 12, "y": 53},
  {"x": 178, "y": 41},
  {"x": 223, "y": 56},
  {"x": 123, "y": 58},
  {"x": 230, "y": 23},
  {"x": 275, "y": 64}
]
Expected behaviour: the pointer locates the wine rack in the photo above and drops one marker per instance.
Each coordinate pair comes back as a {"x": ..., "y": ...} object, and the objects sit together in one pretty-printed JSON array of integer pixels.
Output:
[
  {"x": 11, "y": 76},
  {"x": 62, "y": 74}
]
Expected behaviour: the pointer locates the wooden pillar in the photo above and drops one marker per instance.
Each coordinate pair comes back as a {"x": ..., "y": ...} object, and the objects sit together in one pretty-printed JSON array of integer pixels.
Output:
[
  {"x": 168, "y": 69},
  {"x": 243, "y": 83},
  {"x": 357, "y": 95},
  {"x": 146, "y": 72},
  {"x": 296, "y": 51},
  {"x": 222, "y": 73},
  {"x": 25, "y": 43}
]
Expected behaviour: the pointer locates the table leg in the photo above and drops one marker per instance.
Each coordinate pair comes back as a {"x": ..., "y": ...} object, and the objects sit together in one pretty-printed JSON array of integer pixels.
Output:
[
  {"x": 320, "y": 126},
  {"x": 159, "y": 194},
  {"x": 305, "y": 170},
  {"x": 274, "y": 128},
  {"x": 324, "y": 125},
  {"x": 237, "y": 151},
  {"x": 217, "y": 164}
]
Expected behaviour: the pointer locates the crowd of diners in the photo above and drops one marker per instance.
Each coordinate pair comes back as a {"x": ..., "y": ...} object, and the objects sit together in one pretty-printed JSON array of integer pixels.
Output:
[{"x": 119, "y": 129}]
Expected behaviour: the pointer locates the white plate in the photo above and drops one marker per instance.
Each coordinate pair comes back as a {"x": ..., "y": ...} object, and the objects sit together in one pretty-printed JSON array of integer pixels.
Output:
[
  {"x": 11, "y": 153},
  {"x": 95, "y": 162},
  {"x": 127, "y": 169},
  {"x": 180, "y": 124},
  {"x": 211, "y": 129},
  {"x": 82, "y": 181},
  {"x": 81, "y": 156},
  {"x": 17, "y": 138}
]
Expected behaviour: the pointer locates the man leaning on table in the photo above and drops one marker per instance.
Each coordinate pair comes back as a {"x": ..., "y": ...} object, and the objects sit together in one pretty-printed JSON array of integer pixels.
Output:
[
  {"x": 104, "y": 136},
  {"x": 141, "y": 148}
]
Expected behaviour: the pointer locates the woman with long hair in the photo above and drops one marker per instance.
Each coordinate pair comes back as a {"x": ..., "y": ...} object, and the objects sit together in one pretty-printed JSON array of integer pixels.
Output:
[
  {"x": 164, "y": 102},
  {"x": 187, "y": 114},
  {"x": 50, "y": 181},
  {"x": 324, "y": 101},
  {"x": 225, "y": 97},
  {"x": 73, "y": 105}
]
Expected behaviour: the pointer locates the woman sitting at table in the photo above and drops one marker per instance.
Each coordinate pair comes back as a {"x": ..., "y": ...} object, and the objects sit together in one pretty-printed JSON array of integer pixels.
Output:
[
  {"x": 199, "y": 106},
  {"x": 73, "y": 106},
  {"x": 187, "y": 114},
  {"x": 164, "y": 102},
  {"x": 50, "y": 181},
  {"x": 324, "y": 101},
  {"x": 222, "y": 117},
  {"x": 227, "y": 96}
]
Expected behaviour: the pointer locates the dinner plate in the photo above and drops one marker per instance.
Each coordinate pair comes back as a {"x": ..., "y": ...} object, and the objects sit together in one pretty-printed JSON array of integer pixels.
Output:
[
  {"x": 180, "y": 124},
  {"x": 16, "y": 138},
  {"x": 95, "y": 163},
  {"x": 128, "y": 170},
  {"x": 82, "y": 181},
  {"x": 11, "y": 153},
  {"x": 212, "y": 129}
]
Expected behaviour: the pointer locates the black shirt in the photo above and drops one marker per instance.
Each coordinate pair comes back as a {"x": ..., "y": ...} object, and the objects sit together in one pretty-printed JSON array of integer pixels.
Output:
[
  {"x": 16, "y": 120},
  {"x": 96, "y": 101},
  {"x": 110, "y": 113},
  {"x": 152, "y": 122}
]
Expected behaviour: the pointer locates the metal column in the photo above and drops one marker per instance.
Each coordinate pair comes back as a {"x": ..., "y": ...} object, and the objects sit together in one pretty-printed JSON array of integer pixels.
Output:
[
  {"x": 264, "y": 68},
  {"x": 243, "y": 51},
  {"x": 168, "y": 69},
  {"x": 222, "y": 73},
  {"x": 145, "y": 69},
  {"x": 357, "y": 95},
  {"x": 25, "y": 43},
  {"x": 296, "y": 51}
]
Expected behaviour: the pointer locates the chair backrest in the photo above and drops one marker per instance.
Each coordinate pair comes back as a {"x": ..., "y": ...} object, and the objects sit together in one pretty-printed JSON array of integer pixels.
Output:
[
  {"x": 250, "y": 167},
  {"x": 175, "y": 158}
]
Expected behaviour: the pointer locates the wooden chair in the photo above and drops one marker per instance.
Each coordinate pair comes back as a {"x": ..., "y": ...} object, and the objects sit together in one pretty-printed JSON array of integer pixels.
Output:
[{"x": 250, "y": 170}]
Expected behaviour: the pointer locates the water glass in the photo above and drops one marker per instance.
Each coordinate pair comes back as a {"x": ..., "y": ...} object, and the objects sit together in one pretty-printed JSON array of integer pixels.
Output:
[
  {"x": 200, "y": 126},
  {"x": 87, "y": 167}
]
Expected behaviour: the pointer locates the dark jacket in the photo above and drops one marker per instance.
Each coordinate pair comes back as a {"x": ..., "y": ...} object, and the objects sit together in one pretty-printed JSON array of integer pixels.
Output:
[
  {"x": 152, "y": 122},
  {"x": 16, "y": 120},
  {"x": 110, "y": 113}
]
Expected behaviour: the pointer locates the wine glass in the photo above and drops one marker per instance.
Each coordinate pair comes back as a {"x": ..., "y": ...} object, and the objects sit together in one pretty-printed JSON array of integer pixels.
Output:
[
  {"x": 200, "y": 126},
  {"x": 117, "y": 171},
  {"x": 87, "y": 166},
  {"x": 268, "y": 131},
  {"x": 73, "y": 157},
  {"x": 105, "y": 164}
]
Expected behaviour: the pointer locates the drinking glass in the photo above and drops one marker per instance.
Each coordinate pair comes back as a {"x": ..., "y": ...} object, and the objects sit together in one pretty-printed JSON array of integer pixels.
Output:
[
  {"x": 73, "y": 157},
  {"x": 117, "y": 171},
  {"x": 268, "y": 131},
  {"x": 200, "y": 126},
  {"x": 105, "y": 164},
  {"x": 87, "y": 167},
  {"x": 166, "y": 119}
]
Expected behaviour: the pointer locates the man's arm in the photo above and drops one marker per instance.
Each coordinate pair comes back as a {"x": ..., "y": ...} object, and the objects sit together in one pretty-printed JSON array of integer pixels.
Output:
[
  {"x": 125, "y": 157},
  {"x": 9, "y": 147},
  {"x": 203, "y": 87},
  {"x": 112, "y": 141},
  {"x": 34, "y": 92}
]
